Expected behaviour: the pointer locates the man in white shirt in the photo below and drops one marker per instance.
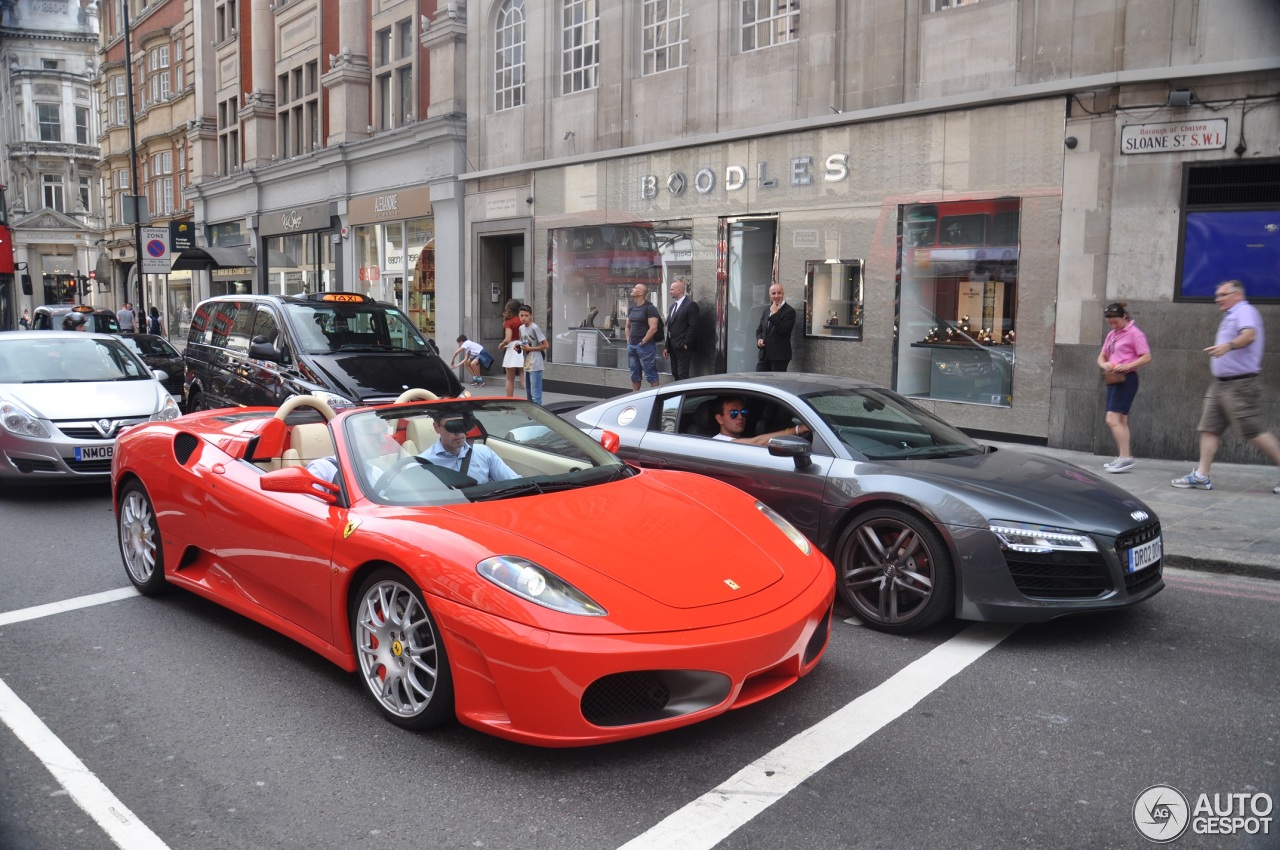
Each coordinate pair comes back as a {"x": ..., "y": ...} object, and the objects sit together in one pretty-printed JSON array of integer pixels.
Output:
[{"x": 732, "y": 420}]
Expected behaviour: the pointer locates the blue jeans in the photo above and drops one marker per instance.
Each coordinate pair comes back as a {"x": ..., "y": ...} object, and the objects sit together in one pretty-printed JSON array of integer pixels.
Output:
[
  {"x": 533, "y": 386},
  {"x": 643, "y": 358}
]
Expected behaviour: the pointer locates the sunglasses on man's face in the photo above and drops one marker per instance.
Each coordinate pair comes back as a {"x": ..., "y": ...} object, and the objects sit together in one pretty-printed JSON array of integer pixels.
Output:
[{"x": 735, "y": 413}]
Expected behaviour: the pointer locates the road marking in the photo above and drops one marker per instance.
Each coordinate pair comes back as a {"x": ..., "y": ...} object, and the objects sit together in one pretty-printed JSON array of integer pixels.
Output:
[
  {"x": 38, "y": 611},
  {"x": 714, "y": 816},
  {"x": 120, "y": 824}
]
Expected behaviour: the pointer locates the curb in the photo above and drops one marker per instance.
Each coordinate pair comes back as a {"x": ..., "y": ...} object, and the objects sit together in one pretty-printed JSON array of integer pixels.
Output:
[{"x": 1220, "y": 566}]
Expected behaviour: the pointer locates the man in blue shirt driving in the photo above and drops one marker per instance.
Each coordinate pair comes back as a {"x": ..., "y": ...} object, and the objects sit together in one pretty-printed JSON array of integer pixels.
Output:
[{"x": 452, "y": 451}]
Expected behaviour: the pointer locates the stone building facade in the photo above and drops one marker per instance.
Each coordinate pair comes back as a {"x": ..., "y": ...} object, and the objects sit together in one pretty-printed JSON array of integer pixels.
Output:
[
  {"x": 49, "y": 125},
  {"x": 948, "y": 192}
]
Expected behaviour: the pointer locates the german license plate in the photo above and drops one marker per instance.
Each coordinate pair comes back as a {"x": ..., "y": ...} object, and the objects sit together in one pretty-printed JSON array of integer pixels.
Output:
[
  {"x": 95, "y": 452},
  {"x": 1141, "y": 557}
]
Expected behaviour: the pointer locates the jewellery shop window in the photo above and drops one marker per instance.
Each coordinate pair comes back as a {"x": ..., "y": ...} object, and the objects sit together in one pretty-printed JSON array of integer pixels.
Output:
[
  {"x": 958, "y": 304},
  {"x": 833, "y": 298},
  {"x": 593, "y": 270}
]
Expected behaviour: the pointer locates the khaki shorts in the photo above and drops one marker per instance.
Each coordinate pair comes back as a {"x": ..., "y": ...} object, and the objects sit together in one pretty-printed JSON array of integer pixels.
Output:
[{"x": 1234, "y": 404}]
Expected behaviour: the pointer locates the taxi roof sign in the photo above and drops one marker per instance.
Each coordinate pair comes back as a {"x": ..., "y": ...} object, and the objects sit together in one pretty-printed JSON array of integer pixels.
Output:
[{"x": 339, "y": 297}]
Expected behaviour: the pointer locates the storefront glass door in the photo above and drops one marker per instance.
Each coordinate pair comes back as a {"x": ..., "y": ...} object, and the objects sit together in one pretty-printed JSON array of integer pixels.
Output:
[{"x": 752, "y": 266}]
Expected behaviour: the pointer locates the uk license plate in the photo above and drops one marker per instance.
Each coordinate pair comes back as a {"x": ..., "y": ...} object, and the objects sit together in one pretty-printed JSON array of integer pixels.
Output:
[
  {"x": 84, "y": 453},
  {"x": 1141, "y": 557}
]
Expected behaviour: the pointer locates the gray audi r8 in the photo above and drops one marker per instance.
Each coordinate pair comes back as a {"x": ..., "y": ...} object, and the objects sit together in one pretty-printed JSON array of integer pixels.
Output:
[{"x": 920, "y": 520}]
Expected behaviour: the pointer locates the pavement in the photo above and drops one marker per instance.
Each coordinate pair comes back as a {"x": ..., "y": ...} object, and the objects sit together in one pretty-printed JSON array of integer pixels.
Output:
[{"x": 1233, "y": 528}]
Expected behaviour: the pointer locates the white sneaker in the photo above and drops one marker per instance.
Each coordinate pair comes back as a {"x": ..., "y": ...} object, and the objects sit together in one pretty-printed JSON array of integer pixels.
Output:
[{"x": 1120, "y": 464}]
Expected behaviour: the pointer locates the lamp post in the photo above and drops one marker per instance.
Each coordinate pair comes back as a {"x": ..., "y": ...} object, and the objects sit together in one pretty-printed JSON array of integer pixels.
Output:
[{"x": 133, "y": 165}]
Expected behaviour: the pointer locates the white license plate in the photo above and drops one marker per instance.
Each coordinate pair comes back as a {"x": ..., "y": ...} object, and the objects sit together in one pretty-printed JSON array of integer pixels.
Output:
[
  {"x": 1141, "y": 557},
  {"x": 95, "y": 452}
]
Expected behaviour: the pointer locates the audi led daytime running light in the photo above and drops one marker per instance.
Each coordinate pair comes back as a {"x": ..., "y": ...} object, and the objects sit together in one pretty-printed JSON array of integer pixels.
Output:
[
  {"x": 529, "y": 581},
  {"x": 793, "y": 533},
  {"x": 1038, "y": 539}
]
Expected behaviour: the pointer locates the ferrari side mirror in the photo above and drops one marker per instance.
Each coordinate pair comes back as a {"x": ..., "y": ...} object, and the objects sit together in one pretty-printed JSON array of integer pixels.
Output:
[{"x": 296, "y": 479}]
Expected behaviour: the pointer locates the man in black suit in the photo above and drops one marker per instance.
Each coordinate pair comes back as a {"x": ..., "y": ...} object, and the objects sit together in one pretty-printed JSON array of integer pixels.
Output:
[
  {"x": 682, "y": 329},
  {"x": 773, "y": 335}
]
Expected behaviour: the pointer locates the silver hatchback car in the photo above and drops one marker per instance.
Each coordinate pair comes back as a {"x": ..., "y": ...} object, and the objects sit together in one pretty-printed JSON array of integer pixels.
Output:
[{"x": 64, "y": 398}]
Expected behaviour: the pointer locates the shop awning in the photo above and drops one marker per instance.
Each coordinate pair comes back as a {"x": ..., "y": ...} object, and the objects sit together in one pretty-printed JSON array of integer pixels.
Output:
[{"x": 206, "y": 259}]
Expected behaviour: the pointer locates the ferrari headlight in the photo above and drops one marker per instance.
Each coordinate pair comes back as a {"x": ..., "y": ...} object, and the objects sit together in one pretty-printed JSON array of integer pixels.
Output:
[
  {"x": 168, "y": 410},
  {"x": 1040, "y": 539},
  {"x": 337, "y": 402},
  {"x": 793, "y": 533},
  {"x": 16, "y": 419},
  {"x": 529, "y": 581}
]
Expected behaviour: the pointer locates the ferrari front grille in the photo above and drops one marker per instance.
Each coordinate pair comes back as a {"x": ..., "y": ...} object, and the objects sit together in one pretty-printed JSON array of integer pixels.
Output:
[{"x": 645, "y": 696}]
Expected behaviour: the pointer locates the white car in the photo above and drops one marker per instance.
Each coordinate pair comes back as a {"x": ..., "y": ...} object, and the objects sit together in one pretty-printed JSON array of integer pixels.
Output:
[{"x": 64, "y": 398}]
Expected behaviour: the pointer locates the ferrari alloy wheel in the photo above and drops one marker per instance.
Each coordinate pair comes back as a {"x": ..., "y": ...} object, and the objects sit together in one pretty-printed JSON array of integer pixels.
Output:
[
  {"x": 895, "y": 571},
  {"x": 402, "y": 659},
  {"x": 140, "y": 545}
]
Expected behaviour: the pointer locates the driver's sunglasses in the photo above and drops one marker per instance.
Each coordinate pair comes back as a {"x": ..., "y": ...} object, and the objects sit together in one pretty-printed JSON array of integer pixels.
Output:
[{"x": 734, "y": 414}]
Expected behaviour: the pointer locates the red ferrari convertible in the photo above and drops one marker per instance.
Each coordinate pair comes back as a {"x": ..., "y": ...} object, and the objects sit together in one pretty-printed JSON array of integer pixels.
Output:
[{"x": 478, "y": 559}]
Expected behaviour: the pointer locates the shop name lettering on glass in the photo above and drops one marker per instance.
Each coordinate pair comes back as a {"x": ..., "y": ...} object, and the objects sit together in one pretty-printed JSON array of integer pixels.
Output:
[{"x": 801, "y": 173}]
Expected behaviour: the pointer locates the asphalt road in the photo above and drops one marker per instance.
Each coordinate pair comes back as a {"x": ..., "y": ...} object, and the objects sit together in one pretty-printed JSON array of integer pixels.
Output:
[{"x": 216, "y": 733}]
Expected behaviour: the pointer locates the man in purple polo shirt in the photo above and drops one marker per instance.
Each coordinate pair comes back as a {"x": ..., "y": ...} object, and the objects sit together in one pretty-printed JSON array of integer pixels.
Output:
[{"x": 1233, "y": 397}]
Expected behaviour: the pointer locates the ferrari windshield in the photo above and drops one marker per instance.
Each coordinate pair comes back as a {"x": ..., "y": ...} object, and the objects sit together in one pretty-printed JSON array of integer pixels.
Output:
[
  {"x": 68, "y": 358},
  {"x": 881, "y": 425},
  {"x": 326, "y": 327},
  {"x": 471, "y": 451}
]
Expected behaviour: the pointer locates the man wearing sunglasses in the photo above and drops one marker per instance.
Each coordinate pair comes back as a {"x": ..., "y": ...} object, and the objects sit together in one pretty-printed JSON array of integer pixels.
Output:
[
  {"x": 452, "y": 451},
  {"x": 732, "y": 419}
]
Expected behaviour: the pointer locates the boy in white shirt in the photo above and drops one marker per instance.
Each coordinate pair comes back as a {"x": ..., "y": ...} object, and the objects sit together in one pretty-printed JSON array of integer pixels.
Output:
[{"x": 470, "y": 351}]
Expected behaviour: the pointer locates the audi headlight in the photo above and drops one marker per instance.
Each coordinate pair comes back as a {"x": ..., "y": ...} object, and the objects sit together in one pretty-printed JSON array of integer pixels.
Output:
[
  {"x": 16, "y": 419},
  {"x": 529, "y": 581},
  {"x": 168, "y": 410},
  {"x": 337, "y": 402},
  {"x": 1040, "y": 539},
  {"x": 793, "y": 533}
]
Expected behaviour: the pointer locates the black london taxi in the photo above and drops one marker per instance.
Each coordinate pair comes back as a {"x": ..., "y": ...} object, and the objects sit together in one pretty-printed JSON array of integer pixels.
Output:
[
  {"x": 344, "y": 347},
  {"x": 98, "y": 320}
]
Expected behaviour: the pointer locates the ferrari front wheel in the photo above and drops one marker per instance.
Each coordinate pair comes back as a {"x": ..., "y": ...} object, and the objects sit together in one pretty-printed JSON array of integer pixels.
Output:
[
  {"x": 140, "y": 545},
  {"x": 401, "y": 655},
  {"x": 895, "y": 571}
]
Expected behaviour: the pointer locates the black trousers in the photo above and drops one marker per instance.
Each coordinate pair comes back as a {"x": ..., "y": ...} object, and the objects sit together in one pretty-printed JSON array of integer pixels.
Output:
[
  {"x": 680, "y": 361},
  {"x": 771, "y": 365}
]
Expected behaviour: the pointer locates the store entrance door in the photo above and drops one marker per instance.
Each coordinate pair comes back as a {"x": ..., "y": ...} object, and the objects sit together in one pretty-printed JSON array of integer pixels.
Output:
[
  {"x": 752, "y": 267},
  {"x": 499, "y": 275}
]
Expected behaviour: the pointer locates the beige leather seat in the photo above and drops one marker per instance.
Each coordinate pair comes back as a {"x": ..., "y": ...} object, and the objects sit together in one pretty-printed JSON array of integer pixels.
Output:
[
  {"x": 307, "y": 442},
  {"x": 420, "y": 431}
]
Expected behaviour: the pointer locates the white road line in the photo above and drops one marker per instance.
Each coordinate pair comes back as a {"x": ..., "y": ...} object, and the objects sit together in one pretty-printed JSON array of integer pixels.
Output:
[
  {"x": 714, "y": 816},
  {"x": 37, "y": 611},
  {"x": 120, "y": 824}
]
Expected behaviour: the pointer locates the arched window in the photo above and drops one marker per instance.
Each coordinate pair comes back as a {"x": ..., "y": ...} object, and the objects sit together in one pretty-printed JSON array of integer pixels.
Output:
[{"x": 508, "y": 56}]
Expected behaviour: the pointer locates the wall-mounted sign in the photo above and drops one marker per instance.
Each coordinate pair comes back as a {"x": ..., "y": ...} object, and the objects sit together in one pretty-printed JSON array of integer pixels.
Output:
[
  {"x": 1174, "y": 137},
  {"x": 155, "y": 250},
  {"x": 181, "y": 236}
]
